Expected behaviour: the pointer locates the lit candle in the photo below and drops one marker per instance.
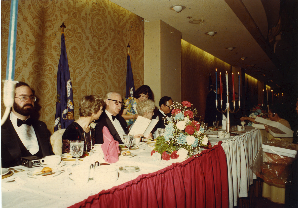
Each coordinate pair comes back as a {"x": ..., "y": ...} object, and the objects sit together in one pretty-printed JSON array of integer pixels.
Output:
[
  {"x": 227, "y": 84},
  {"x": 216, "y": 83},
  {"x": 272, "y": 96},
  {"x": 239, "y": 85},
  {"x": 220, "y": 86},
  {"x": 233, "y": 86}
]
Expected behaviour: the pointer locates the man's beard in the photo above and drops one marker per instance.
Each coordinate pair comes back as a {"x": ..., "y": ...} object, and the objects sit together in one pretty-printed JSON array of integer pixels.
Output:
[{"x": 22, "y": 110}]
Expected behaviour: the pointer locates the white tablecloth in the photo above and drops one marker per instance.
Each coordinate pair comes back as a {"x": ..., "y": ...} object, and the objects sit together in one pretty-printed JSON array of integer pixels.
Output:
[
  {"x": 240, "y": 151},
  {"x": 61, "y": 191}
]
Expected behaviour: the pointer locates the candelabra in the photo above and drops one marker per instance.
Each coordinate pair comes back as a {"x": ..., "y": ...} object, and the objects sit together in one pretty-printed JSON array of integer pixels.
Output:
[{"x": 228, "y": 110}]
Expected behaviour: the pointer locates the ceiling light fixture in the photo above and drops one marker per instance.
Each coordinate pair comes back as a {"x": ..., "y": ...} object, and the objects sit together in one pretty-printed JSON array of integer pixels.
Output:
[
  {"x": 211, "y": 33},
  {"x": 231, "y": 48},
  {"x": 178, "y": 8},
  {"x": 196, "y": 21},
  {"x": 243, "y": 58}
]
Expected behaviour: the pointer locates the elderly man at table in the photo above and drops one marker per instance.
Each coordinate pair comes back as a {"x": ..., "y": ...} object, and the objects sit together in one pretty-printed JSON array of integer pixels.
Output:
[
  {"x": 164, "y": 112},
  {"x": 22, "y": 136},
  {"x": 111, "y": 119}
]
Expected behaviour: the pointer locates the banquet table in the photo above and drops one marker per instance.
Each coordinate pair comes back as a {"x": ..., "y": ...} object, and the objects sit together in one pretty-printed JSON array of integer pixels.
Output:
[
  {"x": 240, "y": 152},
  {"x": 199, "y": 181}
]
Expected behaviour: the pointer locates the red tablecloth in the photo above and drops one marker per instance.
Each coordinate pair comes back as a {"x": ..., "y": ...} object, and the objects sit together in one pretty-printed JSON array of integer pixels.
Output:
[{"x": 200, "y": 181}]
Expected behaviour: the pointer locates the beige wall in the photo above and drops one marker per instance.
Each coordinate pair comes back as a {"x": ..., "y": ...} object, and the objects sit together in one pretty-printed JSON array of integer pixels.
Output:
[
  {"x": 152, "y": 60},
  {"x": 163, "y": 60},
  {"x": 195, "y": 69},
  {"x": 97, "y": 33}
]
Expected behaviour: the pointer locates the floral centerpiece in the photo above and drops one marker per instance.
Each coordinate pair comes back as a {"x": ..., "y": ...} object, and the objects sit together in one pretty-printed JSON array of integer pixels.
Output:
[
  {"x": 183, "y": 135},
  {"x": 257, "y": 111}
]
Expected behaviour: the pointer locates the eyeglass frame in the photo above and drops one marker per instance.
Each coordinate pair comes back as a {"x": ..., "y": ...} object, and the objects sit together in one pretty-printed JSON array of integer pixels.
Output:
[
  {"x": 24, "y": 98},
  {"x": 116, "y": 101}
]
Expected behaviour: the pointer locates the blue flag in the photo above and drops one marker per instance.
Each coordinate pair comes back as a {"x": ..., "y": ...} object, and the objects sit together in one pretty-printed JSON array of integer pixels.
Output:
[
  {"x": 130, "y": 86},
  {"x": 64, "y": 105}
]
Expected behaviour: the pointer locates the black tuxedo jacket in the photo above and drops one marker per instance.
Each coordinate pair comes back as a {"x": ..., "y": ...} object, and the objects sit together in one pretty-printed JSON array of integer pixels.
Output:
[
  {"x": 161, "y": 122},
  {"x": 10, "y": 142},
  {"x": 105, "y": 121}
]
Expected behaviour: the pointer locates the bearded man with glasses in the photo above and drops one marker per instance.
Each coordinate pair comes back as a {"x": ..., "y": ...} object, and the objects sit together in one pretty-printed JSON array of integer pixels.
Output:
[
  {"x": 110, "y": 118},
  {"x": 22, "y": 136}
]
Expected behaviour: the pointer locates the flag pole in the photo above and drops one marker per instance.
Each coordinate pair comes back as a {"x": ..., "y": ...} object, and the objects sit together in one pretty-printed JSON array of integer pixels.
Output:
[{"x": 62, "y": 27}]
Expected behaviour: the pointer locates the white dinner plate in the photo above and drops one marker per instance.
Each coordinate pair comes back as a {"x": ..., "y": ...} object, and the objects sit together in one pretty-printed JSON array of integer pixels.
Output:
[
  {"x": 4, "y": 171},
  {"x": 32, "y": 174},
  {"x": 129, "y": 169},
  {"x": 212, "y": 135}
]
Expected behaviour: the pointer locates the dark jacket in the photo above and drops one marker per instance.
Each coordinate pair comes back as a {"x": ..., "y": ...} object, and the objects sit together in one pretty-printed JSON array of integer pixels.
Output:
[
  {"x": 12, "y": 148},
  {"x": 105, "y": 121}
]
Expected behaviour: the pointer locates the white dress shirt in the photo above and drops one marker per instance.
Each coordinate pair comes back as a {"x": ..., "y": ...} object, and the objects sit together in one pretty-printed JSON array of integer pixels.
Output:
[
  {"x": 116, "y": 124},
  {"x": 26, "y": 134}
]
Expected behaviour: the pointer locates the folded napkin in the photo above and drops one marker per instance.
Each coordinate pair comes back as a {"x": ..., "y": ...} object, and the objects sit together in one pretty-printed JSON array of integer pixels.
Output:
[{"x": 110, "y": 147}]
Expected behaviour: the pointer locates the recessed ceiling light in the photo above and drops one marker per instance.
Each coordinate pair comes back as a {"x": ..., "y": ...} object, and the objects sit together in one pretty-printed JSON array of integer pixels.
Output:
[
  {"x": 177, "y": 8},
  {"x": 211, "y": 33},
  {"x": 243, "y": 58},
  {"x": 196, "y": 21},
  {"x": 231, "y": 48}
]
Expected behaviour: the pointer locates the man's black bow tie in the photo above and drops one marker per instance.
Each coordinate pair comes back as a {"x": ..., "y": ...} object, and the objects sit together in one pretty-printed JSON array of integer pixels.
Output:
[
  {"x": 113, "y": 117},
  {"x": 20, "y": 122}
]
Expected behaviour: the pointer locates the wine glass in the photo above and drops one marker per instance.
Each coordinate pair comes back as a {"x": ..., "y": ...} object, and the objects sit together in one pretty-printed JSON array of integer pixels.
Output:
[
  {"x": 76, "y": 149},
  {"x": 242, "y": 123},
  {"x": 128, "y": 140}
]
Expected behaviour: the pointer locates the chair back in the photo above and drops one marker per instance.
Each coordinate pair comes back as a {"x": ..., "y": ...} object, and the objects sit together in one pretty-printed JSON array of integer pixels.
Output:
[{"x": 56, "y": 141}]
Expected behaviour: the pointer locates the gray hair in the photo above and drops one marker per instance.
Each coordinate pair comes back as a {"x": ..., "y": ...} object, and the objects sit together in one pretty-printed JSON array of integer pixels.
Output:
[
  {"x": 109, "y": 94},
  {"x": 145, "y": 107}
]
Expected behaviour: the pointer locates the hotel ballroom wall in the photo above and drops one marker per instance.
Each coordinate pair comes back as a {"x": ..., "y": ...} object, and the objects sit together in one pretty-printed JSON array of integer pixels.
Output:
[{"x": 97, "y": 34}]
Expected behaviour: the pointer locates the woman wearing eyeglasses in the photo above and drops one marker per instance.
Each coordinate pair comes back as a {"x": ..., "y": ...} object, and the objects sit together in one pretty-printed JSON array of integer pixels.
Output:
[
  {"x": 130, "y": 113},
  {"x": 91, "y": 107}
]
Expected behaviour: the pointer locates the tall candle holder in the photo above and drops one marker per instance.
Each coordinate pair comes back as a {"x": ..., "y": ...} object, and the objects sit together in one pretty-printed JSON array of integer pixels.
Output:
[{"x": 227, "y": 110}]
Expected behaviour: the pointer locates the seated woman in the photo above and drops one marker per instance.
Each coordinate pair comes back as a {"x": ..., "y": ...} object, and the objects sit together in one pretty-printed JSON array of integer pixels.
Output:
[
  {"x": 130, "y": 113},
  {"x": 145, "y": 109},
  {"x": 91, "y": 107}
]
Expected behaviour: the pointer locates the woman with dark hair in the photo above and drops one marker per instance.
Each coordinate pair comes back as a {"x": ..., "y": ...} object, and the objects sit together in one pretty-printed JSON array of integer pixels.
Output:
[
  {"x": 91, "y": 107},
  {"x": 130, "y": 113}
]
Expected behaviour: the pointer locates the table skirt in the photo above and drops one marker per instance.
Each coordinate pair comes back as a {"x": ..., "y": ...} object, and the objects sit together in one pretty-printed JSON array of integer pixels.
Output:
[{"x": 200, "y": 181}]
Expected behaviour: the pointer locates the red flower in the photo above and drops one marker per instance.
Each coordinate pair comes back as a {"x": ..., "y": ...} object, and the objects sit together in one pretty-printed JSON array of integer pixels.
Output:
[
  {"x": 174, "y": 155},
  {"x": 186, "y": 104},
  {"x": 165, "y": 156},
  {"x": 152, "y": 152},
  {"x": 190, "y": 129},
  {"x": 175, "y": 111},
  {"x": 188, "y": 113},
  {"x": 196, "y": 125}
]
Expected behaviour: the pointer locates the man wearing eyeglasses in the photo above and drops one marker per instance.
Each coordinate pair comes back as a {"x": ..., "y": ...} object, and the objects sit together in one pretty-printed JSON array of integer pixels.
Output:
[
  {"x": 22, "y": 136},
  {"x": 164, "y": 112},
  {"x": 111, "y": 119}
]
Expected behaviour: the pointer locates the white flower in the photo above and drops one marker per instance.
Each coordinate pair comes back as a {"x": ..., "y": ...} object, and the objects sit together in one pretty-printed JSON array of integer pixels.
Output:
[
  {"x": 182, "y": 153},
  {"x": 205, "y": 140},
  {"x": 92, "y": 125},
  {"x": 190, "y": 140},
  {"x": 181, "y": 125},
  {"x": 186, "y": 119}
]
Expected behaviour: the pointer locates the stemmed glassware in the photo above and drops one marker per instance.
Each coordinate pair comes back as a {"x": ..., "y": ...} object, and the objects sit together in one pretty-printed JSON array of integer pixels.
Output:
[
  {"x": 242, "y": 123},
  {"x": 76, "y": 149},
  {"x": 128, "y": 140}
]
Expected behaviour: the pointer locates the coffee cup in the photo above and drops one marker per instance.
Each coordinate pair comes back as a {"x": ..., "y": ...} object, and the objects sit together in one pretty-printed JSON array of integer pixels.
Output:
[
  {"x": 221, "y": 134},
  {"x": 239, "y": 128},
  {"x": 137, "y": 141},
  {"x": 51, "y": 160}
]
